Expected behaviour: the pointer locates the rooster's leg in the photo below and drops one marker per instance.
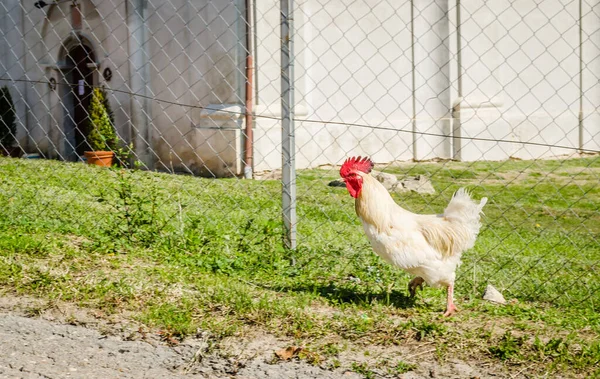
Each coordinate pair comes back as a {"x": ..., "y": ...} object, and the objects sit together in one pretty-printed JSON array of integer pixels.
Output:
[
  {"x": 413, "y": 284},
  {"x": 450, "y": 307}
]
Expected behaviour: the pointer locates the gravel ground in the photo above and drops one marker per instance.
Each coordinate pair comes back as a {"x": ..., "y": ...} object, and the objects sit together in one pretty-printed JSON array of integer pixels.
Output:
[{"x": 38, "y": 347}]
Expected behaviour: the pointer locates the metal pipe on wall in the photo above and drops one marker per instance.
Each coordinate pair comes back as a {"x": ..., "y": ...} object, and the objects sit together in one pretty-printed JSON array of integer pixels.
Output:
[
  {"x": 141, "y": 132},
  {"x": 249, "y": 142},
  {"x": 456, "y": 108}
]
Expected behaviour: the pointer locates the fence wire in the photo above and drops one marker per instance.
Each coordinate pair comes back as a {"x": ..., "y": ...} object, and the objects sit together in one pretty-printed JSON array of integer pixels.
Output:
[{"x": 501, "y": 97}]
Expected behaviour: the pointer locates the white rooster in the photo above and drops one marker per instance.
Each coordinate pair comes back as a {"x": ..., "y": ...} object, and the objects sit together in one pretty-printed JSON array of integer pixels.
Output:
[{"x": 426, "y": 246}]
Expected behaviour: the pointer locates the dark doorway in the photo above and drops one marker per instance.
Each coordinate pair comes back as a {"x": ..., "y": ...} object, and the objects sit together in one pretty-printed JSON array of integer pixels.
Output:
[{"x": 80, "y": 75}]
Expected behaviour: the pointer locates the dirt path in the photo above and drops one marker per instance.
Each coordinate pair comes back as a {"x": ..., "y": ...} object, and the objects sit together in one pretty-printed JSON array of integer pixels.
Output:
[
  {"x": 36, "y": 348},
  {"x": 48, "y": 345}
]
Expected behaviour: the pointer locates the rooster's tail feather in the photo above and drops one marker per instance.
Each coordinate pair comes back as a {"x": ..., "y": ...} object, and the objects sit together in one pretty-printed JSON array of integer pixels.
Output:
[
  {"x": 465, "y": 211},
  {"x": 457, "y": 230},
  {"x": 463, "y": 208}
]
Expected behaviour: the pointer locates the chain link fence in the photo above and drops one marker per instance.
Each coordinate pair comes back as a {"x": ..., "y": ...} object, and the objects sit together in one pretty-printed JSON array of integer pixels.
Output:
[{"x": 500, "y": 96}]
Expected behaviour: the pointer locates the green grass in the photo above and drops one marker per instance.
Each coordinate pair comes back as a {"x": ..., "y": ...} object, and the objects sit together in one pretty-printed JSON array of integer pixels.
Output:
[{"x": 181, "y": 254}]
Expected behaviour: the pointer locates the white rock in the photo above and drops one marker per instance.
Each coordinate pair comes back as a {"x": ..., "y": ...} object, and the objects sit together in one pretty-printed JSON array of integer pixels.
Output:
[
  {"x": 492, "y": 294},
  {"x": 399, "y": 188},
  {"x": 388, "y": 180},
  {"x": 419, "y": 183},
  {"x": 268, "y": 175}
]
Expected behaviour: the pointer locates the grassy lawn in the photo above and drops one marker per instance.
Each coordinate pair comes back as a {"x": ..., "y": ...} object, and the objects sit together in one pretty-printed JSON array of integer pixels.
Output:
[{"x": 183, "y": 254}]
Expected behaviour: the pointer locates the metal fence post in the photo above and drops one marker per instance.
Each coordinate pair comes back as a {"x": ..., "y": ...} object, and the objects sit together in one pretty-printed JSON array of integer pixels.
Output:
[{"x": 288, "y": 146}]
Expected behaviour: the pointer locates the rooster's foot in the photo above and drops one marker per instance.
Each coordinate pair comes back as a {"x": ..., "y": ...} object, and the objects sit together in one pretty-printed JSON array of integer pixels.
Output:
[
  {"x": 413, "y": 284},
  {"x": 450, "y": 307},
  {"x": 450, "y": 310}
]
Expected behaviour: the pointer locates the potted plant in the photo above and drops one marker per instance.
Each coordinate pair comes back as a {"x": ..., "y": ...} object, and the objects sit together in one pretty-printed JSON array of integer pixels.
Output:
[
  {"x": 8, "y": 126},
  {"x": 102, "y": 137}
]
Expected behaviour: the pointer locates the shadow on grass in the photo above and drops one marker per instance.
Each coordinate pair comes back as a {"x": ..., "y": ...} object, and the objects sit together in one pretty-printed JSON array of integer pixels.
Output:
[{"x": 346, "y": 295}]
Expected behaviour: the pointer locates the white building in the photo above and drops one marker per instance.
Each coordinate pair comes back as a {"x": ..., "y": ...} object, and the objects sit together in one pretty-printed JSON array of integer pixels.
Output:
[{"x": 520, "y": 71}]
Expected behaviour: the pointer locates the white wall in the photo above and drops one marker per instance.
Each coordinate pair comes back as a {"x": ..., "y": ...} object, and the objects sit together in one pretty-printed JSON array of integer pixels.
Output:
[
  {"x": 197, "y": 54},
  {"x": 541, "y": 76},
  {"x": 354, "y": 66},
  {"x": 520, "y": 64},
  {"x": 591, "y": 75},
  {"x": 518, "y": 78}
]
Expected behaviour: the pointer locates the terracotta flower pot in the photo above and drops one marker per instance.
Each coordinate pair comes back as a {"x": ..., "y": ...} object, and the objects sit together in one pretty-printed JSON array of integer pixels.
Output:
[{"x": 99, "y": 158}]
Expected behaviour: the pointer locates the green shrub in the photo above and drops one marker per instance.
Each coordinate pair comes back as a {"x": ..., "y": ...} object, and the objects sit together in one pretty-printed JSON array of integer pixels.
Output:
[
  {"x": 8, "y": 118},
  {"x": 102, "y": 135},
  {"x": 107, "y": 106}
]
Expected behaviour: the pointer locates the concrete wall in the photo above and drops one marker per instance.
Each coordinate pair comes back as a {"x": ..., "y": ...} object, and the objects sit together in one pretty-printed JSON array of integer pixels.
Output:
[
  {"x": 38, "y": 55},
  {"x": 515, "y": 77},
  {"x": 197, "y": 59},
  {"x": 590, "y": 136},
  {"x": 354, "y": 65},
  {"x": 393, "y": 80},
  {"x": 521, "y": 78},
  {"x": 480, "y": 99},
  {"x": 12, "y": 62},
  {"x": 193, "y": 55}
]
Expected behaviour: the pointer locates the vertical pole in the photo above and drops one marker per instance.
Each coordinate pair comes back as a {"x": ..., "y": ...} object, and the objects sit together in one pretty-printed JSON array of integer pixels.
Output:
[
  {"x": 248, "y": 143},
  {"x": 288, "y": 147},
  {"x": 581, "y": 127},
  {"x": 413, "y": 74},
  {"x": 459, "y": 48},
  {"x": 141, "y": 134},
  {"x": 456, "y": 116}
]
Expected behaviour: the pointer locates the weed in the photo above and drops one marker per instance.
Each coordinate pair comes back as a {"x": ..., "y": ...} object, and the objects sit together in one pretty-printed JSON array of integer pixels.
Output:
[
  {"x": 363, "y": 369},
  {"x": 135, "y": 217},
  {"x": 310, "y": 357},
  {"x": 331, "y": 349},
  {"x": 509, "y": 347},
  {"x": 554, "y": 348},
  {"x": 174, "y": 321},
  {"x": 402, "y": 368},
  {"x": 425, "y": 328}
]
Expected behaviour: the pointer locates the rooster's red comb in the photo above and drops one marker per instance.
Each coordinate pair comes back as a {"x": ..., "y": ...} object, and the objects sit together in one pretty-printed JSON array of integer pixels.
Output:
[{"x": 356, "y": 164}]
